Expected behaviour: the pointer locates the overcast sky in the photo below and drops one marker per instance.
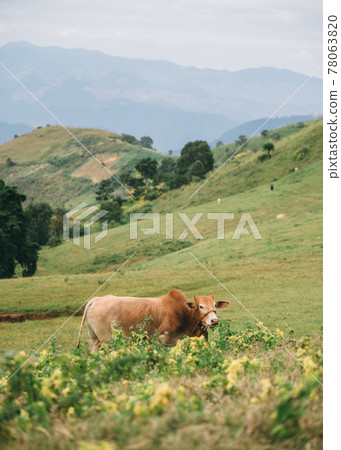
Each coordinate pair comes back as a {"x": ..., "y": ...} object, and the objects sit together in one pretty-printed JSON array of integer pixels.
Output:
[{"x": 219, "y": 34}]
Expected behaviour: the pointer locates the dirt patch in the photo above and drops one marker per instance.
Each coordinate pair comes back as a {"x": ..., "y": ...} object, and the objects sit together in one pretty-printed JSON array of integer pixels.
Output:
[
  {"x": 92, "y": 169},
  {"x": 22, "y": 317}
]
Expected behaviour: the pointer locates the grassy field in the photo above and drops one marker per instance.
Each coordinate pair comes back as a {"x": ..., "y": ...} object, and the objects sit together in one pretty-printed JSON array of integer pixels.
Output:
[
  {"x": 279, "y": 278},
  {"x": 276, "y": 280}
]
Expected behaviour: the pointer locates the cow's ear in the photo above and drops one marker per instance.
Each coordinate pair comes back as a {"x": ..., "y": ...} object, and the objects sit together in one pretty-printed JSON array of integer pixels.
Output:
[
  {"x": 221, "y": 304},
  {"x": 190, "y": 305}
]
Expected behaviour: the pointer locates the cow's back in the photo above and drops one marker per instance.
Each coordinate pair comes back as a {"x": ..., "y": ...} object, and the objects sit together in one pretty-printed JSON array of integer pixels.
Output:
[{"x": 125, "y": 312}]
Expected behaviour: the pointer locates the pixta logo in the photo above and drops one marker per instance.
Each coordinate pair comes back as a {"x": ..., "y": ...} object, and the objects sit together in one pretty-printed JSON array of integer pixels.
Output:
[
  {"x": 245, "y": 224},
  {"x": 83, "y": 210}
]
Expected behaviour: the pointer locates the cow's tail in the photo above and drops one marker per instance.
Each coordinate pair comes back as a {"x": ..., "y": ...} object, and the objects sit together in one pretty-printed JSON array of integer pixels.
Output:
[{"x": 82, "y": 323}]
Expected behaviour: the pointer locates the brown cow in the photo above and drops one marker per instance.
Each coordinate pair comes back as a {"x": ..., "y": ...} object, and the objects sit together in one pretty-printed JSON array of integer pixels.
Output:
[{"x": 172, "y": 315}]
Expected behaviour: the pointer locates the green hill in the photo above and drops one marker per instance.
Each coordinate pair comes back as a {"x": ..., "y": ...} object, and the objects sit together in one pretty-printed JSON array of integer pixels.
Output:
[
  {"x": 278, "y": 278},
  {"x": 50, "y": 165}
]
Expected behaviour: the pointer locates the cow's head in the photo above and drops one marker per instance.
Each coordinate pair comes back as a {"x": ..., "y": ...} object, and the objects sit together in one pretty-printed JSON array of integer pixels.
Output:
[{"x": 205, "y": 309}]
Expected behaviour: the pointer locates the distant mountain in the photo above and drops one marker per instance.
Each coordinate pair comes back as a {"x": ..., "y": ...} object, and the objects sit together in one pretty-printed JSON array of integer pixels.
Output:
[
  {"x": 170, "y": 103},
  {"x": 9, "y": 130},
  {"x": 249, "y": 128}
]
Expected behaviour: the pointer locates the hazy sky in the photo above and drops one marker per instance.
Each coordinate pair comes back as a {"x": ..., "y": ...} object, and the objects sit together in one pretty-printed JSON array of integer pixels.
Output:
[{"x": 220, "y": 34}]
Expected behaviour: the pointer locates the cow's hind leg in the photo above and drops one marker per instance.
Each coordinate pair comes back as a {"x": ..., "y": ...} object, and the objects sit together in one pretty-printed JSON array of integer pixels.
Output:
[{"x": 94, "y": 342}]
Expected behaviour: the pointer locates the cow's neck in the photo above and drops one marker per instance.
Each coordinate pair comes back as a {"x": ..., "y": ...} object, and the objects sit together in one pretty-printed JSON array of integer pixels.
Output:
[{"x": 190, "y": 322}]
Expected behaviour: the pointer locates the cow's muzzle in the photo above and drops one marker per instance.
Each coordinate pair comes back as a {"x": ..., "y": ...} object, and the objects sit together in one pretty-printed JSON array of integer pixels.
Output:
[{"x": 214, "y": 323}]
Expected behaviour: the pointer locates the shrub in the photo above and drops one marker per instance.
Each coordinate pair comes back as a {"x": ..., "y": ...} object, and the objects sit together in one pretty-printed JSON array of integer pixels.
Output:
[
  {"x": 263, "y": 157},
  {"x": 54, "y": 241},
  {"x": 9, "y": 162},
  {"x": 135, "y": 386},
  {"x": 301, "y": 153}
]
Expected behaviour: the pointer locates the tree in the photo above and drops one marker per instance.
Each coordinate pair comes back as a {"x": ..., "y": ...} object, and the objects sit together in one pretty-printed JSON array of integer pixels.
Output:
[
  {"x": 9, "y": 162},
  {"x": 197, "y": 169},
  {"x": 170, "y": 152},
  {"x": 147, "y": 167},
  {"x": 194, "y": 151},
  {"x": 114, "y": 209},
  {"x": 104, "y": 190},
  {"x": 15, "y": 246},
  {"x": 264, "y": 133},
  {"x": 57, "y": 226},
  {"x": 269, "y": 147},
  {"x": 130, "y": 139},
  {"x": 177, "y": 181},
  {"x": 124, "y": 177},
  {"x": 241, "y": 140},
  {"x": 146, "y": 141},
  {"x": 135, "y": 182},
  {"x": 165, "y": 171},
  {"x": 219, "y": 144},
  {"x": 39, "y": 222}
]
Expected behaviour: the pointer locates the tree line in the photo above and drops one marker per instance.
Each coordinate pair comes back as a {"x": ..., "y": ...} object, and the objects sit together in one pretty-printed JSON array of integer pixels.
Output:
[{"x": 150, "y": 179}]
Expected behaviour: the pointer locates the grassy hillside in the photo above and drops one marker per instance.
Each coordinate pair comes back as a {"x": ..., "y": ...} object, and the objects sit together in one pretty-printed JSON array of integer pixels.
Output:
[
  {"x": 50, "y": 165},
  {"x": 279, "y": 278}
]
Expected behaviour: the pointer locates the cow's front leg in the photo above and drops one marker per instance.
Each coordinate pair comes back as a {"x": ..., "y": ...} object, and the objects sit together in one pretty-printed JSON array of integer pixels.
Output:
[
  {"x": 164, "y": 337},
  {"x": 205, "y": 334}
]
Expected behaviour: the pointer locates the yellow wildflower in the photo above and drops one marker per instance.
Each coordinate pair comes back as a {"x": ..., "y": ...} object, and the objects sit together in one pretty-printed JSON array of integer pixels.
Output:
[
  {"x": 46, "y": 391},
  {"x": 181, "y": 393},
  {"x": 57, "y": 378},
  {"x": 139, "y": 409},
  {"x": 279, "y": 333},
  {"x": 122, "y": 398},
  {"x": 300, "y": 352},
  {"x": 102, "y": 445},
  {"x": 235, "y": 367},
  {"x": 19, "y": 356},
  {"x": 297, "y": 389},
  {"x": 161, "y": 396},
  {"x": 309, "y": 364},
  {"x": 231, "y": 378},
  {"x": 25, "y": 414},
  {"x": 266, "y": 388},
  {"x": 43, "y": 354},
  {"x": 273, "y": 415},
  {"x": 70, "y": 411},
  {"x": 111, "y": 407},
  {"x": 313, "y": 394},
  {"x": 65, "y": 391}
]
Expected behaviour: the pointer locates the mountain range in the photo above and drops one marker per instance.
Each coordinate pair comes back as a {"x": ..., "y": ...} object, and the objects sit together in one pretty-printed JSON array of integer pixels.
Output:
[
  {"x": 171, "y": 103},
  {"x": 255, "y": 127}
]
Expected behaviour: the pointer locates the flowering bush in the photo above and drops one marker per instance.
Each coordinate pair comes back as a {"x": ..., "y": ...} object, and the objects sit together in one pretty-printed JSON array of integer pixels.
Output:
[{"x": 136, "y": 381}]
